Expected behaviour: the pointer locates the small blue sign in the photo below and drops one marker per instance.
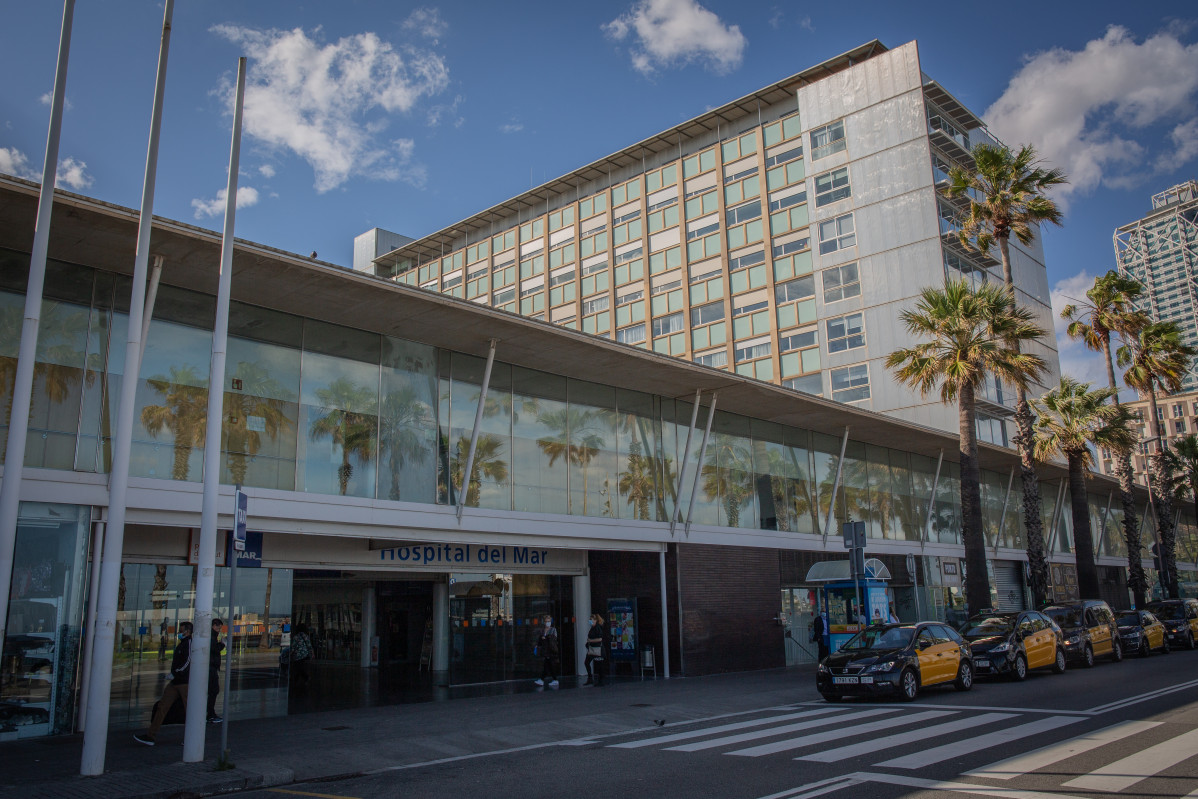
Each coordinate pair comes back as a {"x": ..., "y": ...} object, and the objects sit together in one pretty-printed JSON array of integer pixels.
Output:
[
  {"x": 143, "y": 630},
  {"x": 251, "y": 555},
  {"x": 241, "y": 515}
]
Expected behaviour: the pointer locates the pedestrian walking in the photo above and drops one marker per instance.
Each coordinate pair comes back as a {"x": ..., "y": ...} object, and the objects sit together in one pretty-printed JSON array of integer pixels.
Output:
[
  {"x": 300, "y": 655},
  {"x": 176, "y": 689},
  {"x": 549, "y": 649},
  {"x": 214, "y": 655},
  {"x": 596, "y": 641}
]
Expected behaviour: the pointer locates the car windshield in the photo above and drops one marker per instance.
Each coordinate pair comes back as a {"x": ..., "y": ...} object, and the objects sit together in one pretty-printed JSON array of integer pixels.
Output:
[
  {"x": 1170, "y": 612},
  {"x": 881, "y": 638},
  {"x": 1128, "y": 619},
  {"x": 1065, "y": 617},
  {"x": 987, "y": 626}
]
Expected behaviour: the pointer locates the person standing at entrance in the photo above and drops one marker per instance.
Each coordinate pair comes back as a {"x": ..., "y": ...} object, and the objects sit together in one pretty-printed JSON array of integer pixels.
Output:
[
  {"x": 214, "y": 653},
  {"x": 819, "y": 628},
  {"x": 549, "y": 649},
  {"x": 176, "y": 689},
  {"x": 596, "y": 639},
  {"x": 301, "y": 653}
]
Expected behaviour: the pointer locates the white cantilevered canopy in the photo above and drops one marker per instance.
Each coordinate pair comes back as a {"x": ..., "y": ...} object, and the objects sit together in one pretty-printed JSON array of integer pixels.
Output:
[{"x": 830, "y": 571}]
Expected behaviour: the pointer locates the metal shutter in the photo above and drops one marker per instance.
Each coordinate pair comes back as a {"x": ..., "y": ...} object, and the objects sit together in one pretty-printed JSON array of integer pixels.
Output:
[{"x": 1008, "y": 582}]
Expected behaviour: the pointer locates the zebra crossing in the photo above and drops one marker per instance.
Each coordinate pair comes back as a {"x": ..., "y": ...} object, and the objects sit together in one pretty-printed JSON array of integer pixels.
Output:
[{"x": 902, "y": 740}]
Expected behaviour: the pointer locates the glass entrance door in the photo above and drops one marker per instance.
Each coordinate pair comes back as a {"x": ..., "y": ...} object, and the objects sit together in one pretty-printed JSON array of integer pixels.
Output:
[
  {"x": 798, "y": 609},
  {"x": 481, "y": 628}
]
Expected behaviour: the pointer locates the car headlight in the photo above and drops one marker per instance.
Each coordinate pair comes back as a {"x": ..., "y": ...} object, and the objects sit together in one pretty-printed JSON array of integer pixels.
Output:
[
  {"x": 1001, "y": 648},
  {"x": 1133, "y": 634},
  {"x": 886, "y": 665},
  {"x": 823, "y": 668},
  {"x": 1073, "y": 639}
]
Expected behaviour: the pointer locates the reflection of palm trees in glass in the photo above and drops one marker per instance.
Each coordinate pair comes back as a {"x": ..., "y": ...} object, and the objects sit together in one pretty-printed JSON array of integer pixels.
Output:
[
  {"x": 405, "y": 422},
  {"x": 577, "y": 441},
  {"x": 183, "y": 412},
  {"x": 59, "y": 363},
  {"x": 790, "y": 489},
  {"x": 728, "y": 475},
  {"x": 487, "y": 463},
  {"x": 256, "y": 398},
  {"x": 636, "y": 482},
  {"x": 352, "y": 431}
]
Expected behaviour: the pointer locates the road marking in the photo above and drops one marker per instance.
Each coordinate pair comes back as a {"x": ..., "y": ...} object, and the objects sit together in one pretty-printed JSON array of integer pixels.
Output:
[
  {"x": 1145, "y": 697},
  {"x": 970, "y": 745},
  {"x": 306, "y": 793},
  {"x": 822, "y": 737},
  {"x": 1140, "y": 766},
  {"x": 739, "y": 725},
  {"x": 812, "y": 789},
  {"x": 965, "y": 708},
  {"x": 1033, "y": 761},
  {"x": 728, "y": 740},
  {"x": 911, "y": 736},
  {"x": 958, "y": 787}
]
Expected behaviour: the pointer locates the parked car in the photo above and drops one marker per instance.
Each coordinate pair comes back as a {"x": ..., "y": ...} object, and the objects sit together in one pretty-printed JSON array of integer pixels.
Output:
[
  {"x": 896, "y": 660},
  {"x": 1089, "y": 629},
  {"x": 1141, "y": 632},
  {"x": 1180, "y": 617},
  {"x": 1011, "y": 643}
]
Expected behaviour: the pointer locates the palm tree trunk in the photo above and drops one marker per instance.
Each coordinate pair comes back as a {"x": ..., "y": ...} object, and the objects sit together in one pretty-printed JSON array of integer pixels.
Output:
[
  {"x": 270, "y": 573},
  {"x": 1033, "y": 525},
  {"x": 1164, "y": 504},
  {"x": 977, "y": 578},
  {"x": 1137, "y": 581},
  {"x": 1083, "y": 536}
]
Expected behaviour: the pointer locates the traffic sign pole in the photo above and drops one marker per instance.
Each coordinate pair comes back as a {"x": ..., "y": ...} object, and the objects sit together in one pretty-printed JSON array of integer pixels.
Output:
[{"x": 236, "y": 544}]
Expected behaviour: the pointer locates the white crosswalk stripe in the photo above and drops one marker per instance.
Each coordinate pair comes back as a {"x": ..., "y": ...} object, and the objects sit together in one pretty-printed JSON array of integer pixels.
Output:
[
  {"x": 904, "y": 738},
  {"x": 739, "y": 725},
  {"x": 830, "y": 735},
  {"x": 978, "y": 743},
  {"x": 1140, "y": 766},
  {"x": 1032, "y": 761},
  {"x": 789, "y": 728}
]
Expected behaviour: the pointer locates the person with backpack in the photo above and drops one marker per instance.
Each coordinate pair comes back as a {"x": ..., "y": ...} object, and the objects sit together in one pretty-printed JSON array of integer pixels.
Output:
[
  {"x": 549, "y": 649},
  {"x": 176, "y": 689},
  {"x": 301, "y": 653}
]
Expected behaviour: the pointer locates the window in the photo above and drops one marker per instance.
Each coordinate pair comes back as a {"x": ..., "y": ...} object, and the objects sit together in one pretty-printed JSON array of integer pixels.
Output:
[
  {"x": 795, "y": 245},
  {"x": 1177, "y": 412},
  {"x": 846, "y": 333},
  {"x": 782, "y": 158},
  {"x": 717, "y": 359},
  {"x": 697, "y": 164},
  {"x": 792, "y": 290},
  {"x": 850, "y": 383},
  {"x": 751, "y": 308},
  {"x": 594, "y": 305},
  {"x": 633, "y": 334},
  {"x": 664, "y": 287},
  {"x": 627, "y": 298},
  {"x": 788, "y": 201},
  {"x": 785, "y": 128},
  {"x": 811, "y": 384},
  {"x": 664, "y": 325},
  {"x": 706, "y": 314},
  {"x": 799, "y": 340},
  {"x": 592, "y": 205},
  {"x": 1179, "y": 426},
  {"x": 836, "y": 234},
  {"x": 743, "y": 213},
  {"x": 827, "y": 140},
  {"x": 745, "y": 261},
  {"x": 752, "y": 351},
  {"x": 841, "y": 282},
  {"x": 564, "y": 277},
  {"x": 832, "y": 186}
]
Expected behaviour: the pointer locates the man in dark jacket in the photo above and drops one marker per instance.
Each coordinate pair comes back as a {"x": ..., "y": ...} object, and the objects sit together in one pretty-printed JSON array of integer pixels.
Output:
[
  {"x": 214, "y": 656},
  {"x": 176, "y": 689}
]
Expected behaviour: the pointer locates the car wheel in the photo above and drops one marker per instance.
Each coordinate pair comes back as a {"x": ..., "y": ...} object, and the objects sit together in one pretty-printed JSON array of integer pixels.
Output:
[
  {"x": 1190, "y": 641},
  {"x": 964, "y": 679},
  {"x": 1019, "y": 672},
  {"x": 830, "y": 697},
  {"x": 1145, "y": 649},
  {"x": 1116, "y": 652},
  {"x": 1059, "y": 666},
  {"x": 1088, "y": 657},
  {"x": 908, "y": 685}
]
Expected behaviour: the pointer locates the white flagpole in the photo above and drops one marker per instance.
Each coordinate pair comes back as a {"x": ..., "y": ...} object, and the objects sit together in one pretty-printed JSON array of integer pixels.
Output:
[
  {"x": 197, "y": 693},
  {"x": 22, "y": 390},
  {"x": 95, "y": 729}
]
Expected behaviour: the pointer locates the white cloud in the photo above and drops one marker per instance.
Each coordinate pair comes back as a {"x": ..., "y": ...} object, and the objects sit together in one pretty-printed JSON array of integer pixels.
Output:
[
  {"x": 1077, "y": 361},
  {"x": 511, "y": 127},
  {"x": 428, "y": 23},
  {"x": 675, "y": 33},
  {"x": 72, "y": 173},
  {"x": 266, "y": 171},
  {"x": 1091, "y": 112},
  {"x": 246, "y": 196},
  {"x": 48, "y": 98},
  {"x": 330, "y": 103},
  {"x": 447, "y": 112}
]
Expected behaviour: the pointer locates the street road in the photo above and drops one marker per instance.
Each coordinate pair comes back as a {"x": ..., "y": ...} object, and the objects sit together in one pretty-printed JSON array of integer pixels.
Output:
[{"x": 1127, "y": 729}]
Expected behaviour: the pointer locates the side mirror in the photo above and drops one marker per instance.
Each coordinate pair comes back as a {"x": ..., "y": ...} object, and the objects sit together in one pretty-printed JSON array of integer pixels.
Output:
[{"x": 924, "y": 644}]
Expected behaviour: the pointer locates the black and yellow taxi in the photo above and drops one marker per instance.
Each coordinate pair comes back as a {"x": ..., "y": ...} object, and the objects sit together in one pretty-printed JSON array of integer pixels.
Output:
[
  {"x": 1089, "y": 628},
  {"x": 1141, "y": 632},
  {"x": 1180, "y": 617},
  {"x": 896, "y": 660},
  {"x": 1012, "y": 643}
]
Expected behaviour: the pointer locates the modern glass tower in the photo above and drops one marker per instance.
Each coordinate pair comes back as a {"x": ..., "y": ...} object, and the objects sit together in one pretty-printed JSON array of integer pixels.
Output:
[
  {"x": 1161, "y": 251},
  {"x": 778, "y": 236}
]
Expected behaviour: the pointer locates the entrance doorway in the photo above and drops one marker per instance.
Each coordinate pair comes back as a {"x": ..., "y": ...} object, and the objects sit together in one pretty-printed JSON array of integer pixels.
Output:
[
  {"x": 799, "y": 608},
  {"x": 404, "y": 623}
]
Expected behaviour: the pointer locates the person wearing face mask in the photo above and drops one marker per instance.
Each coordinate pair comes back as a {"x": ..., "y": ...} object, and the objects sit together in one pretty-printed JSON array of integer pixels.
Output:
[
  {"x": 549, "y": 649},
  {"x": 176, "y": 689},
  {"x": 595, "y": 643}
]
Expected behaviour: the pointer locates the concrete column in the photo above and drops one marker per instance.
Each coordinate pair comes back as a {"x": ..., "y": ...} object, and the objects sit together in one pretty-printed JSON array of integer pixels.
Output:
[
  {"x": 440, "y": 626},
  {"x": 582, "y": 623},
  {"x": 369, "y": 623}
]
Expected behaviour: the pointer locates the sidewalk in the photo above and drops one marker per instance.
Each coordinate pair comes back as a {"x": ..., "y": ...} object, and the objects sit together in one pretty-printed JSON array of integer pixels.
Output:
[{"x": 280, "y": 751}]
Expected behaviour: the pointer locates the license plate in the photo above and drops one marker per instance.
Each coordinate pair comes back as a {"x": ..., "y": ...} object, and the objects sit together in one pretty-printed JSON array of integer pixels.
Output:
[
  {"x": 844, "y": 680},
  {"x": 982, "y": 664},
  {"x": 867, "y": 680}
]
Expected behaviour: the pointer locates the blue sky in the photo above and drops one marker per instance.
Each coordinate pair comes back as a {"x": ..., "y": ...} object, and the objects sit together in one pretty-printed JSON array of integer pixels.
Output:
[{"x": 410, "y": 117}]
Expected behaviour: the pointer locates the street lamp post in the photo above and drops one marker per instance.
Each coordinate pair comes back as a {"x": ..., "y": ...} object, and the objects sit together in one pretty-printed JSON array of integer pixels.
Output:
[{"x": 1161, "y": 577}]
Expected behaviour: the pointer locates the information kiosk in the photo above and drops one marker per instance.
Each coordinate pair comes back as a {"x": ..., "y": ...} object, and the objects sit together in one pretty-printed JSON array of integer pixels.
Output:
[{"x": 841, "y": 593}]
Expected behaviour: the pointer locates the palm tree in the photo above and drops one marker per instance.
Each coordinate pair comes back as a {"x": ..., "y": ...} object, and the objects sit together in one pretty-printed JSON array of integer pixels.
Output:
[
  {"x": 487, "y": 463},
  {"x": 636, "y": 482},
  {"x": 577, "y": 441},
  {"x": 1006, "y": 194},
  {"x": 184, "y": 412},
  {"x": 728, "y": 475},
  {"x": 1111, "y": 308},
  {"x": 351, "y": 430},
  {"x": 1156, "y": 358},
  {"x": 1071, "y": 419},
  {"x": 973, "y": 334},
  {"x": 257, "y": 399},
  {"x": 406, "y": 424}
]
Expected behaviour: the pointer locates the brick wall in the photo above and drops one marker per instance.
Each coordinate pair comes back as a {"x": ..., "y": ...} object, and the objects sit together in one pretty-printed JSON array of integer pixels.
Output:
[{"x": 637, "y": 574}]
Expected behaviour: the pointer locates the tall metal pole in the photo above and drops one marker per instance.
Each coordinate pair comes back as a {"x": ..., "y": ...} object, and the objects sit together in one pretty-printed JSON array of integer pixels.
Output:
[
  {"x": 478, "y": 420},
  {"x": 22, "y": 390},
  {"x": 224, "y": 727},
  {"x": 665, "y": 616},
  {"x": 1002, "y": 518},
  {"x": 95, "y": 730},
  {"x": 844, "y": 443},
  {"x": 89, "y": 624},
  {"x": 686, "y": 454},
  {"x": 927, "y": 521},
  {"x": 197, "y": 693},
  {"x": 690, "y": 508}
]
